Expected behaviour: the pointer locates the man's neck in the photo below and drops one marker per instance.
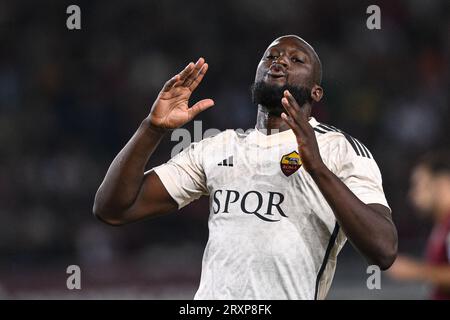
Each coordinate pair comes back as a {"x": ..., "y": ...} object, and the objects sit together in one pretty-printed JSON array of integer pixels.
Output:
[{"x": 269, "y": 123}]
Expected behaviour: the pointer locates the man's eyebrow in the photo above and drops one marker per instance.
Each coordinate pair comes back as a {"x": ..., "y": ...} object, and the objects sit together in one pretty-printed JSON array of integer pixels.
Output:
[{"x": 304, "y": 50}]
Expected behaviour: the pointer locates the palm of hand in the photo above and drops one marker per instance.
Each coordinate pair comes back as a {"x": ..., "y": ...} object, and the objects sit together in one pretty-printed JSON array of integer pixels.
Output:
[{"x": 171, "y": 109}]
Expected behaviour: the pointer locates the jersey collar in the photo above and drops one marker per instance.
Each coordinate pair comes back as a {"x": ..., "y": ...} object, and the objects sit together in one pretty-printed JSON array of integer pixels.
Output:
[{"x": 262, "y": 139}]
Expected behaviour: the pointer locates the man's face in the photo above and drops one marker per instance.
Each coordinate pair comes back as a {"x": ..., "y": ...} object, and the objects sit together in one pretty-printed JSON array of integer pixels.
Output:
[
  {"x": 287, "y": 64},
  {"x": 287, "y": 61}
]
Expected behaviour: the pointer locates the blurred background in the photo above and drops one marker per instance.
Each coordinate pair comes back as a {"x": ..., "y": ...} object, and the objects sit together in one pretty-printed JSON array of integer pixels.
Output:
[{"x": 69, "y": 101}]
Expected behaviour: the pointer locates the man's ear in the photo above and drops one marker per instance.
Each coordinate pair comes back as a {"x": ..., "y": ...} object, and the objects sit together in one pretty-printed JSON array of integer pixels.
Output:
[{"x": 316, "y": 93}]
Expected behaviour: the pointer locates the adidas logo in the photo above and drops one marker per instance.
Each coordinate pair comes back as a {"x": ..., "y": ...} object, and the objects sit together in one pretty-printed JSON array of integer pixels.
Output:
[{"x": 226, "y": 162}]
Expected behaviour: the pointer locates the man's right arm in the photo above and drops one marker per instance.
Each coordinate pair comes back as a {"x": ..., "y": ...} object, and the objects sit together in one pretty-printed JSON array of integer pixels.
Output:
[{"x": 129, "y": 194}]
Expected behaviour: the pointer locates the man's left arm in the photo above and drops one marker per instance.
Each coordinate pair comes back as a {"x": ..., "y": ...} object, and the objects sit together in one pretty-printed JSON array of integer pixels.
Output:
[{"x": 369, "y": 227}]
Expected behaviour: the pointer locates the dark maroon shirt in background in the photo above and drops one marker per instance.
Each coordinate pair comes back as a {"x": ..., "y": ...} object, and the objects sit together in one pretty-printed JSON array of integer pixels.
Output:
[{"x": 438, "y": 254}]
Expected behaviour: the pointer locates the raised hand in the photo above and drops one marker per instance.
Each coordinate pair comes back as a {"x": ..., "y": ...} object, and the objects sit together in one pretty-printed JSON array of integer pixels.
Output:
[
  {"x": 297, "y": 120},
  {"x": 171, "y": 108}
]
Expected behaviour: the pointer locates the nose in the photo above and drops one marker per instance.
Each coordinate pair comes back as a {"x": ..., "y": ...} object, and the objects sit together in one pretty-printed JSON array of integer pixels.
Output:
[{"x": 282, "y": 59}]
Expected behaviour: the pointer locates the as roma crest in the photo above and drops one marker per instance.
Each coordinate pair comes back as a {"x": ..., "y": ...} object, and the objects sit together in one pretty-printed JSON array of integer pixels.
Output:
[{"x": 290, "y": 163}]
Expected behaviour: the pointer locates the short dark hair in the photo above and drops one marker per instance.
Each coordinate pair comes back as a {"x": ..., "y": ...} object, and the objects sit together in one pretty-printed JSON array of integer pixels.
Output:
[{"x": 436, "y": 161}]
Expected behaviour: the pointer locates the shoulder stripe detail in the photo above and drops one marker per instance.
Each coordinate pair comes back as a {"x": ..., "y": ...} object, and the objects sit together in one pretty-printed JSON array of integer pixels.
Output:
[
  {"x": 353, "y": 143},
  {"x": 369, "y": 155},
  {"x": 330, "y": 127},
  {"x": 357, "y": 146},
  {"x": 327, "y": 128},
  {"x": 365, "y": 152},
  {"x": 318, "y": 130},
  {"x": 330, "y": 246}
]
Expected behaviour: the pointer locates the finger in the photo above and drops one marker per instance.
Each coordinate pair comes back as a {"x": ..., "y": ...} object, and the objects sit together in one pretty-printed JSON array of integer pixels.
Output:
[
  {"x": 169, "y": 83},
  {"x": 293, "y": 113},
  {"x": 200, "y": 106},
  {"x": 295, "y": 116},
  {"x": 194, "y": 73},
  {"x": 288, "y": 119},
  {"x": 186, "y": 71},
  {"x": 199, "y": 78},
  {"x": 292, "y": 124},
  {"x": 300, "y": 110}
]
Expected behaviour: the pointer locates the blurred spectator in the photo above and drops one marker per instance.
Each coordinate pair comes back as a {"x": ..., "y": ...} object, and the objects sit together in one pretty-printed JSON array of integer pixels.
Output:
[{"x": 430, "y": 193}]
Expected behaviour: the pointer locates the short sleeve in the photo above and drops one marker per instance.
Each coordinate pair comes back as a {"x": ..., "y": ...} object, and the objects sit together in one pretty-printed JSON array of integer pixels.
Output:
[
  {"x": 183, "y": 175},
  {"x": 360, "y": 173}
]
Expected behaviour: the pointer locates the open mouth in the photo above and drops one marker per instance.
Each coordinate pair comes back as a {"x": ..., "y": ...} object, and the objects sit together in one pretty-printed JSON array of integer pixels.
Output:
[{"x": 276, "y": 74}]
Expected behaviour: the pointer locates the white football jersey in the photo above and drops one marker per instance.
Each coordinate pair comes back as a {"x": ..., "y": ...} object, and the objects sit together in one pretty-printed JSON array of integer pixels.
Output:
[{"x": 272, "y": 234}]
